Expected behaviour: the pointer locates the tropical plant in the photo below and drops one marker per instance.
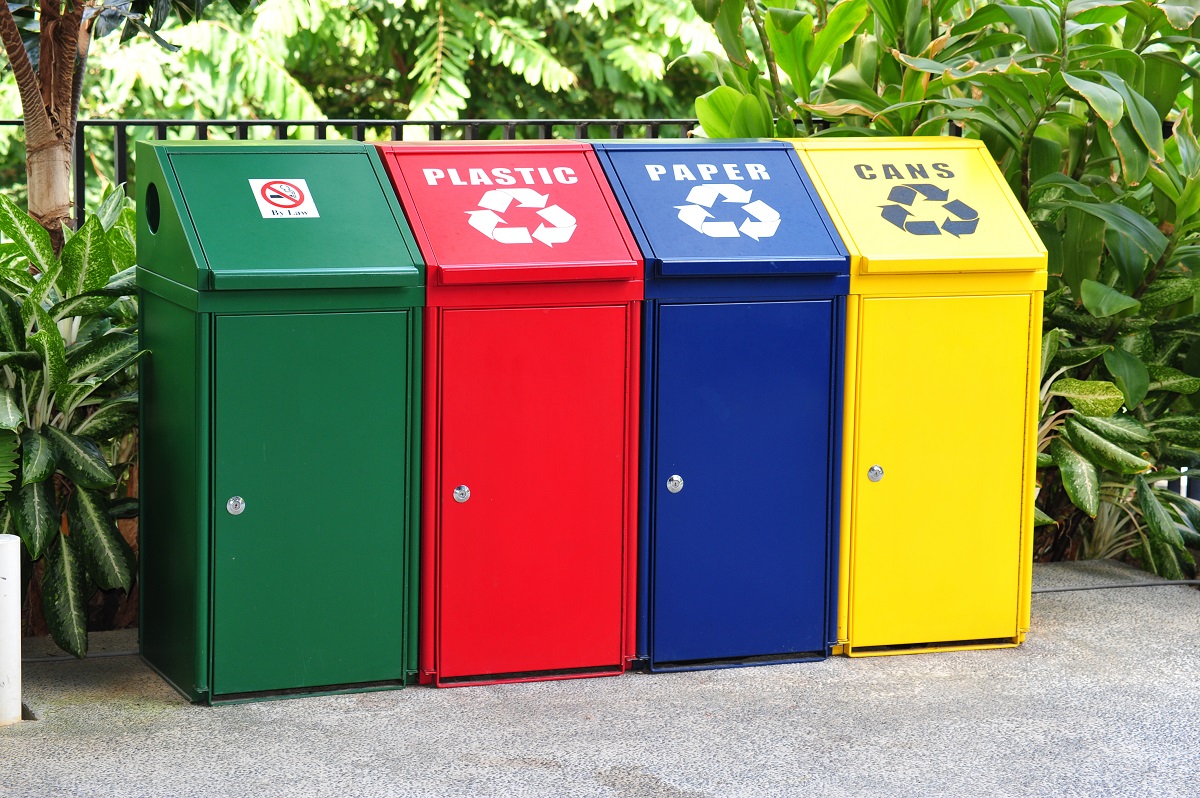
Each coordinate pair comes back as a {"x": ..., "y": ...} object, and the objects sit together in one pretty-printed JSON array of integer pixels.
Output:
[
  {"x": 1071, "y": 98},
  {"x": 47, "y": 45},
  {"x": 68, "y": 405}
]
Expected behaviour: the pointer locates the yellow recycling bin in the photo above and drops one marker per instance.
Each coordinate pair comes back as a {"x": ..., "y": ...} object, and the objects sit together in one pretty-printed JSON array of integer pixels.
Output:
[{"x": 943, "y": 339}]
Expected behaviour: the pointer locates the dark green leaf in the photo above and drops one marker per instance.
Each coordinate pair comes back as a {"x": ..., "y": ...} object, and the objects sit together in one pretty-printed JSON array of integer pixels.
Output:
[
  {"x": 109, "y": 558},
  {"x": 1180, "y": 430},
  {"x": 100, "y": 356},
  {"x": 728, "y": 26},
  {"x": 1078, "y": 355},
  {"x": 1103, "y": 301},
  {"x": 124, "y": 508},
  {"x": 1049, "y": 348},
  {"x": 81, "y": 460},
  {"x": 64, "y": 599},
  {"x": 1156, "y": 516},
  {"x": 109, "y": 421},
  {"x": 39, "y": 458},
  {"x": 707, "y": 10},
  {"x": 1107, "y": 104},
  {"x": 1044, "y": 460},
  {"x": 47, "y": 341},
  {"x": 1037, "y": 25},
  {"x": 1130, "y": 375},
  {"x": 86, "y": 262},
  {"x": 1165, "y": 293},
  {"x": 1083, "y": 246},
  {"x": 9, "y": 457},
  {"x": 1079, "y": 476},
  {"x": 1141, "y": 112},
  {"x": 36, "y": 516},
  {"x": 1040, "y": 518},
  {"x": 1165, "y": 378},
  {"x": 1129, "y": 223},
  {"x": 11, "y": 415},
  {"x": 1122, "y": 429},
  {"x": 1103, "y": 452}
]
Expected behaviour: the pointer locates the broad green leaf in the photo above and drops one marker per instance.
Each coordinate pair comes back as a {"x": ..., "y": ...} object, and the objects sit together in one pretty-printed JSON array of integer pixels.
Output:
[
  {"x": 792, "y": 48},
  {"x": 36, "y": 515},
  {"x": 124, "y": 283},
  {"x": 1131, "y": 262},
  {"x": 728, "y": 26},
  {"x": 1107, "y": 104},
  {"x": 1130, "y": 375},
  {"x": 707, "y": 10},
  {"x": 1090, "y": 397},
  {"x": 1040, "y": 518},
  {"x": 843, "y": 21},
  {"x": 1188, "y": 147},
  {"x": 1155, "y": 515},
  {"x": 1180, "y": 430},
  {"x": 86, "y": 262},
  {"x": 1119, "y": 428},
  {"x": 111, "y": 207},
  {"x": 80, "y": 306},
  {"x": 110, "y": 560},
  {"x": 11, "y": 415},
  {"x": 109, "y": 421},
  {"x": 1181, "y": 457},
  {"x": 1181, "y": 14},
  {"x": 30, "y": 237},
  {"x": 1188, "y": 322},
  {"x": 12, "y": 328},
  {"x": 1128, "y": 223},
  {"x": 47, "y": 341},
  {"x": 100, "y": 356},
  {"x": 1049, "y": 348},
  {"x": 1165, "y": 378},
  {"x": 715, "y": 110},
  {"x": 1037, "y": 25},
  {"x": 1044, "y": 460},
  {"x": 752, "y": 119},
  {"x": 1083, "y": 247},
  {"x": 1078, "y": 355},
  {"x": 64, "y": 599},
  {"x": 1103, "y": 301},
  {"x": 69, "y": 396},
  {"x": 9, "y": 457},
  {"x": 39, "y": 458},
  {"x": 1135, "y": 160},
  {"x": 81, "y": 460},
  {"x": 1165, "y": 293},
  {"x": 1141, "y": 112},
  {"x": 1080, "y": 478},
  {"x": 1103, "y": 452},
  {"x": 785, "y": 20}
]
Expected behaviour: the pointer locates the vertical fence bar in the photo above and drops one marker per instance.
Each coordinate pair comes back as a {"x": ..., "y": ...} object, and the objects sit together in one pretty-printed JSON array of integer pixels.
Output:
[
  {"x": 121, "y": 153},
  {"x": 77, "y": 161}
]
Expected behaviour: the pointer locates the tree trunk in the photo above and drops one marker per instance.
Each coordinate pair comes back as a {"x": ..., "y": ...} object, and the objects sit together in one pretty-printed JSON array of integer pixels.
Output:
[{"x": 49, "y": 165}]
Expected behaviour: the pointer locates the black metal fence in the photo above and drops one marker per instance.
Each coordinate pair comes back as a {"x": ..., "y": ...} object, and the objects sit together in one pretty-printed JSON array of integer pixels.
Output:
[{"x": 106, "y": 143}]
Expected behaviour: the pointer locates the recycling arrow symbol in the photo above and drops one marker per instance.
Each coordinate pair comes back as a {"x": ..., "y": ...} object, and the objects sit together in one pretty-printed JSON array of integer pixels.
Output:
[
  {"x": 961, "y": 221},
  {"x": 557, "y": 228},
  {"x": 761, "y": 219}
]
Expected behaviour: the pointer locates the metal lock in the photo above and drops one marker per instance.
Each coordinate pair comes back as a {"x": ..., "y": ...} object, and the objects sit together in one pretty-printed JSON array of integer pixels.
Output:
[
  {"x": 674, "y": 483},
  {"x": 875, "y": 473},
  {"x": 236, "y": 505},
  {"x": 462, "y": 493}
]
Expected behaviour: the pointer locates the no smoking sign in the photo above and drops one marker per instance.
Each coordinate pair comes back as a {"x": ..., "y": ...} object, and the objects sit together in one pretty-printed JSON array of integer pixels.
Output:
[{"x": 284, "y": 198}]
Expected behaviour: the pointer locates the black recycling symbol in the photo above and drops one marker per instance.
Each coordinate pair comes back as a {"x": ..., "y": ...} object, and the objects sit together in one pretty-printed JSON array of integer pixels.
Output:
[{"x": 962, "y": 219}]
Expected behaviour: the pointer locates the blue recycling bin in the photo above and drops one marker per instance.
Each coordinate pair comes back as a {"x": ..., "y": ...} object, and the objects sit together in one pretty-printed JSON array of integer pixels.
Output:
[{"x": 745, "y": 284}]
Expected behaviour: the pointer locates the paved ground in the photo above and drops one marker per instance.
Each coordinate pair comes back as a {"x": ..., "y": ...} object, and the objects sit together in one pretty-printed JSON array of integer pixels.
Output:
[{"x": 1103, "y": 699}]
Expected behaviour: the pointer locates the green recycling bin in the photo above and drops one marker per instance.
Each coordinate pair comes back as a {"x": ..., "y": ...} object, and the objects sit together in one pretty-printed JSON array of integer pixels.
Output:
[{"x": 281, "y": 294}]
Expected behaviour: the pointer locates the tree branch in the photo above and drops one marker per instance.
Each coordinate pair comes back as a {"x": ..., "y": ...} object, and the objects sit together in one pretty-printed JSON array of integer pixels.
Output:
[{"x": 37, "y": 121}]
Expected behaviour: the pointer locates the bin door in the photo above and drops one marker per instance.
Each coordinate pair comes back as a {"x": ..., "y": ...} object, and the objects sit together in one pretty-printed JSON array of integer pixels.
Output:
[
  {"x": 533, "y": 422},
  {"x": 309, "y": 578},
  {"x": 941, "y": 409},
  {"x": 743, "y": 416}
]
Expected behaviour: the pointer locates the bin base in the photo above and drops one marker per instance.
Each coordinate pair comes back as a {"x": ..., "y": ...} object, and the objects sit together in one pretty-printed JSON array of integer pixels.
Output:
[
  {"x": 303, "y": 692},
  {"x": 528, "y": 676},
  {"x": 737, "y": 662},
  {"x": 930, "y": 648}
]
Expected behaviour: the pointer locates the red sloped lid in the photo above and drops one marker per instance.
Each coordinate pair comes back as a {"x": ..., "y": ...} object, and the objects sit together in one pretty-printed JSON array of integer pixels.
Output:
[{"x": 498, "y": 212}]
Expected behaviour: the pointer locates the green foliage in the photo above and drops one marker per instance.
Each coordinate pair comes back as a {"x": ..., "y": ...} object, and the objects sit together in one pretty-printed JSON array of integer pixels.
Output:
[
  {"x": 61, "y": 371},
  {"x": 1071, "y": 98}
]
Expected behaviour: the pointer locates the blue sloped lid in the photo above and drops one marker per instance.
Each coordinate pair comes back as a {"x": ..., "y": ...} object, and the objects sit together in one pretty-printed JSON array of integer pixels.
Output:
[{"x": 728, "y": 208}]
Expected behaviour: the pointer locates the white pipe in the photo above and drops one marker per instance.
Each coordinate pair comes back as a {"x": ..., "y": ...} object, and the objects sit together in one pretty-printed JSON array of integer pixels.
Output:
[{"x": 10, "y": 629}]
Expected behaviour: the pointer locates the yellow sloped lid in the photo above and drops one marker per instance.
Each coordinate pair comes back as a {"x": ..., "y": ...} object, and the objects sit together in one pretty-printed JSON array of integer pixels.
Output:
[{"x": 922, "y": 205}]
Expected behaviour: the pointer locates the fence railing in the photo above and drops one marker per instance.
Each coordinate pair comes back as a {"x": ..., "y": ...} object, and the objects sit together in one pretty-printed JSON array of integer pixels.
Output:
[{"x": 120, "y": 132}]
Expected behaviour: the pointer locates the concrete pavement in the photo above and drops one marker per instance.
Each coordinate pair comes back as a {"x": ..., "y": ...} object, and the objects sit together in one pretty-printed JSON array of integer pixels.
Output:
[{"x": 1102, "y": 699}]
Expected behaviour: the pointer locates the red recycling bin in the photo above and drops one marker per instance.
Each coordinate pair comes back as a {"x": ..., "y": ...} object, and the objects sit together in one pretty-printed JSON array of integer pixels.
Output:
[{"x": 530, "y": 418}]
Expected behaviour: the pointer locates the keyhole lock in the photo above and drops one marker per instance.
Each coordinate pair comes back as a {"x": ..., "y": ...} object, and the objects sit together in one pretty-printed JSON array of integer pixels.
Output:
[
  {"x": 674, "y": 483},
  {"x": 875, "y": 473},
  {"x": 462, "y": 493},
  {"x": 236, "y": 505}
]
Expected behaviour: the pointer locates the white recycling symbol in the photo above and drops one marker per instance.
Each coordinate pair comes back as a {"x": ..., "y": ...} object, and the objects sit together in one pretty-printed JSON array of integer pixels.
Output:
[
  {"x": 558, "y": 227},
  {"x": 761, "y": 219}
]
